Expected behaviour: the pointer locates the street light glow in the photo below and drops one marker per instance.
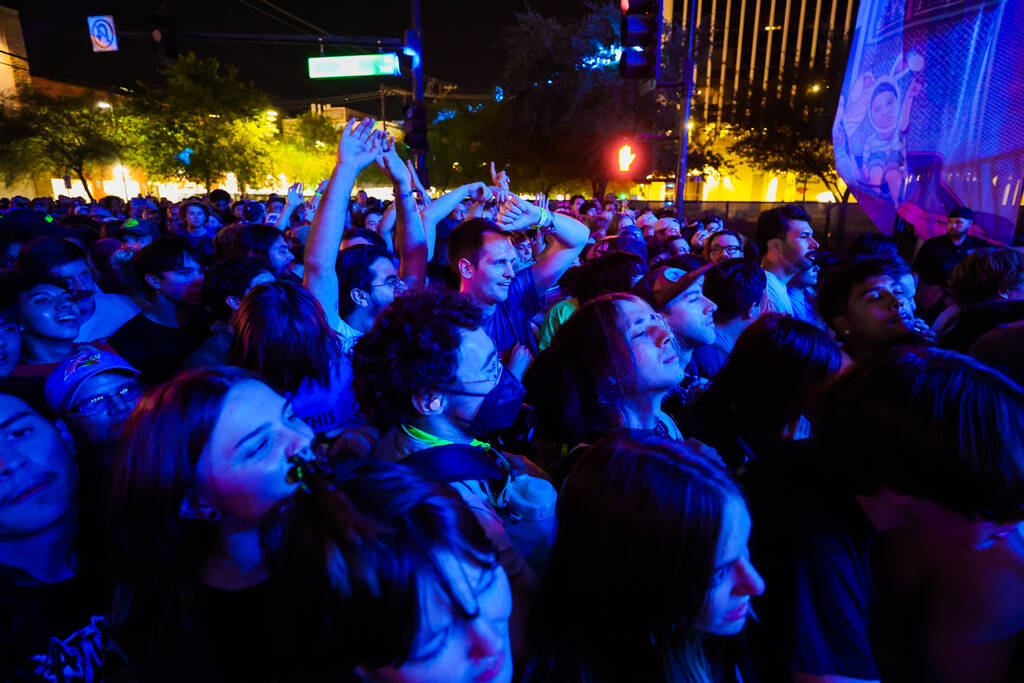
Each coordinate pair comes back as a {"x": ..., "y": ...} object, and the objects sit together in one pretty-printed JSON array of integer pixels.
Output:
[{"x": 103, "y": 105}]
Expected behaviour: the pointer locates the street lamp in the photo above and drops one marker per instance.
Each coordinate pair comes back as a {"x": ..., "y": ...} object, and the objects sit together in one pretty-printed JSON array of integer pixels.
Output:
[{"x": 104, "y": 105}]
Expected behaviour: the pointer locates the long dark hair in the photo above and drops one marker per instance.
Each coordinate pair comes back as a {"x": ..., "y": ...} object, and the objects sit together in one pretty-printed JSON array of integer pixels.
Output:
[
  {"x": 155, "y": 554},
  {"x": 349, "y": 558},
  {"x": 579, "y": 384},
  {"x": 282, "y": 334},
  {"x": 929, "y": 423},
  {"x": 639, "y": 522},
  {"x": 768, "y": 382}
]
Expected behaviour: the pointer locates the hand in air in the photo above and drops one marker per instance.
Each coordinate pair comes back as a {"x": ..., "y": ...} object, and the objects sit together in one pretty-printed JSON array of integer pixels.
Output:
[
  {"x": 359, "y": 145},
  {"x": 392, "y": 165},
  {"x": 499, "y": 178},
  {"x": 517, "y": 214},
  {"x": 295, "y": 195}
]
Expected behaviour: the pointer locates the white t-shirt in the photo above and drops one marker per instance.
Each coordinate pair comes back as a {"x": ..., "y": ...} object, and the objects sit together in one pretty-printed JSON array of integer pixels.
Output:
[
  {"x": 112, "y": 311},
  {"x": 349, "y": 335},
  {"x": 776, "y": 296}
]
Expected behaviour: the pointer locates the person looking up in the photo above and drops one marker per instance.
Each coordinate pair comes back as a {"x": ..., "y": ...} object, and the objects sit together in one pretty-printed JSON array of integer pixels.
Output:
[{"x": 100, "y": 314}]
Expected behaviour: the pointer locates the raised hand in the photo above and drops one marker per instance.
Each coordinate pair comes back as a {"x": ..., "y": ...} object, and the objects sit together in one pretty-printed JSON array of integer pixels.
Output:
[
  {"x": 392, "y": 165},
  {"x": 295, "y": 195},
  {"x": 359, "y": 145},
  {"x": 478, "y": 192},
  {"x": 499, "y": 179},
  {"x": 518, "y": 214},
  {"x": 541, "y": 201}
]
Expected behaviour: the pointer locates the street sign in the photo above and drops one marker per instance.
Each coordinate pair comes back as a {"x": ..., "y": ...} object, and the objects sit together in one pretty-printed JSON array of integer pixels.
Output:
[
  {"x": 102, "y": 33},
  {"x": 354, "y": 65}
]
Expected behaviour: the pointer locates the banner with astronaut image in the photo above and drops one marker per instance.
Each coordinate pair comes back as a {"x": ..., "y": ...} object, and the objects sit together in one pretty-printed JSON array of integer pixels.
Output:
[{"x": 931, "y": 114}]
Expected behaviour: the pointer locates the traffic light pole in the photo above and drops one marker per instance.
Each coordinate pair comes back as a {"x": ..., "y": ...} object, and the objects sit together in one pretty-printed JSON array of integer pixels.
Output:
[
  {"x": 684, "y": 130},
  {"x": 417, "y": 80}
]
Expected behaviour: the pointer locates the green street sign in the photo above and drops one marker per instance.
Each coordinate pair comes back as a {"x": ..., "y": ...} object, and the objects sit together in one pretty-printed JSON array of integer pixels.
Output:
[{"x": 354, "y": 65}]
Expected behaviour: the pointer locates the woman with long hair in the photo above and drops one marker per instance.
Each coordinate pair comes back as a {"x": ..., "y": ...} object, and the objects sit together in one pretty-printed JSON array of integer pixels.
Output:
[
  {"x": 385, "y": 575},
  {"x": 650, "y": 556},
  {"x": 609, "y": 365},
  {"x": 203, "y": 458},
  {"x": 282, "y": 334}
]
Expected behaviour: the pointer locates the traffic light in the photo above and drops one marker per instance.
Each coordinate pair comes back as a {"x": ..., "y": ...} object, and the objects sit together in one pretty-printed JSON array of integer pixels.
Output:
[
  {"x": 641, "y": 39},
  {"x": 415, "y": 127},
  {"x": 163, "y": 34},
  {"x": 631, "y": 159}
]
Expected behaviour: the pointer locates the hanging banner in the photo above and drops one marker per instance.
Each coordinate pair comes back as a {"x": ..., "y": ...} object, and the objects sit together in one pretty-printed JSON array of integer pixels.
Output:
[{"x": 930, "y": 115}]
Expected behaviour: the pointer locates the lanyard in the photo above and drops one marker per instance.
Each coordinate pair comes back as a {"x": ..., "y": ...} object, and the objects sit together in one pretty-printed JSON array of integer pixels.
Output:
[{"x": 432, "y": 440}]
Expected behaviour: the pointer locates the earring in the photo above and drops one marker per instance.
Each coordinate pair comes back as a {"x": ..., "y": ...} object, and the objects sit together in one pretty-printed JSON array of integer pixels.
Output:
[{"x": 191, "y": 508}]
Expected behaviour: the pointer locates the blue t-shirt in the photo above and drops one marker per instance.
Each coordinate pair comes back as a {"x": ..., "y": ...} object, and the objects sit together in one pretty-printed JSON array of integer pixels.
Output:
[{"x": 510, "y": 324}]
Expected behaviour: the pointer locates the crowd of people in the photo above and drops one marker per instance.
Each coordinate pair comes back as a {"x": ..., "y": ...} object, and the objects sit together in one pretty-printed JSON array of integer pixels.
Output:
[{"x": 476, "y": 437}]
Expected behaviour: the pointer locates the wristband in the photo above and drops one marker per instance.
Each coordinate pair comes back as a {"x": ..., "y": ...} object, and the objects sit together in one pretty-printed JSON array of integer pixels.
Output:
[
  {"x": 543, "y": 222},
  {"x": 403, "y": 195}
]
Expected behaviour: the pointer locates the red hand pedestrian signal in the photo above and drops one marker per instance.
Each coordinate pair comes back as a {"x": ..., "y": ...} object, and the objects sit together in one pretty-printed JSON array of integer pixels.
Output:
[{"x": 626, "y": 157}]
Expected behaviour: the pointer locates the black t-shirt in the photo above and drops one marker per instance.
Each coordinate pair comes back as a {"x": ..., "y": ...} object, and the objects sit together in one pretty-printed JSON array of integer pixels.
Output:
[
  {"x": 938, "y": 256},
  {"x": 35, "y": 617},
  {"x": 230, "y": 636},
  {"x": 835, "y": 598},
  {"x": 155, "y": 350}
]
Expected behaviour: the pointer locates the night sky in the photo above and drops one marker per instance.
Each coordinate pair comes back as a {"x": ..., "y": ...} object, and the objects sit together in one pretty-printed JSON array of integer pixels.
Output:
[{"x": 461, "y": 40}]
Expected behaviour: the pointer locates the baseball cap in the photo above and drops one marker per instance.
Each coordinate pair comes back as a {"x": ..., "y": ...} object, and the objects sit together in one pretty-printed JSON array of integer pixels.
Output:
[
  {"x": 62, "y": 385},
  {"x": 962, "y": 212},
  {"x": 668, "y": 282}
]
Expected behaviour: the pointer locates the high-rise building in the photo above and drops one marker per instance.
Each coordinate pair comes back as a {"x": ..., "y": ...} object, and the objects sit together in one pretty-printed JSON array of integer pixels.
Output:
[{"x": 755, "y": 44}]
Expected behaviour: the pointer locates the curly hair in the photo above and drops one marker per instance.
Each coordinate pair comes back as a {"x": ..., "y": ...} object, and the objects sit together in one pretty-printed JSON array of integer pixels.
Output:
[
  {"x": 985, "y": 273},
  {"x": 412, "y": 347}
]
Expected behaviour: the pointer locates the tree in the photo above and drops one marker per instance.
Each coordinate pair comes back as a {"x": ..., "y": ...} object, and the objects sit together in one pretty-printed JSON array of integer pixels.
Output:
[
  {"x": 63, "y": 135},
  {"x": 566, "y": 107},
  {"x": 202, "y": 107}
]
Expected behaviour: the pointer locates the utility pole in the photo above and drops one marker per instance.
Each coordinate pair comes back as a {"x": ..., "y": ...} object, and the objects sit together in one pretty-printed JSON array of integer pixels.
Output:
[
  {"x": 416, "y": 38},
  {"x": 684, "y": 131}
]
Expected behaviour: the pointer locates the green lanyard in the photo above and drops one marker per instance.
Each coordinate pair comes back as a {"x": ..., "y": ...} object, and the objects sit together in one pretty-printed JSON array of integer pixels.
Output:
[{"x": 432, "y": 440}]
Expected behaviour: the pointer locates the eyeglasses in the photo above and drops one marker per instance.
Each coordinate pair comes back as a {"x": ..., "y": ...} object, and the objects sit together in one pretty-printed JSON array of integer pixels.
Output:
[
  {"x": 100, "y": 403},
  {"x": 394, "y": 282},
  {"x": 728, "y": 250}
]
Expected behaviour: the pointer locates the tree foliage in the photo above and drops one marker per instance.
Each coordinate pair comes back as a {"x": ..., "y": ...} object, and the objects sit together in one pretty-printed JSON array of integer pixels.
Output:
[
  {"x": 204, "y": 107},
  {"x": 43, "y": 134},
  {"x": 566, "y": 107}
]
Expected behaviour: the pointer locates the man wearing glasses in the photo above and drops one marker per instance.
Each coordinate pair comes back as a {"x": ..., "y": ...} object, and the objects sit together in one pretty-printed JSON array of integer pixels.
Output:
[
  {"x": 93, "y": 392},
  {"x": 724, "y": 245},
  {"x": 367, "y": 281}
]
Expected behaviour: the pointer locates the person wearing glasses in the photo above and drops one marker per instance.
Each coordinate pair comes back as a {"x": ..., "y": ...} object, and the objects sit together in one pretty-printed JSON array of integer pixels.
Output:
[
  {"x": 428, "y": 376},
  {"x": 368, "y": 281},
  {"x": 93, "y": 392},
  {"x": 723, "y": 245}
]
